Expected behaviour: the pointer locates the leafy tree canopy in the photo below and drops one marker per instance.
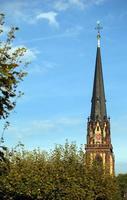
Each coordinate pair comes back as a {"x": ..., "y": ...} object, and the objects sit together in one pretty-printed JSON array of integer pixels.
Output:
[
  {"x": 122, "y": 180},
  {"x": 58, "y": 175},
  {"x": 11, "y": 70}
]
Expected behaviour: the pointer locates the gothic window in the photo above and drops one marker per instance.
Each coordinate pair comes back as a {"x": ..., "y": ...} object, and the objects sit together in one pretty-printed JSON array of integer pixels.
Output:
[{"x": 98, "y": 159}]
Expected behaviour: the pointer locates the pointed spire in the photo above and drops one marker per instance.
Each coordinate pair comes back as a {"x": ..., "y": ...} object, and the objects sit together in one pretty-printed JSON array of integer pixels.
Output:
[{"x": 98, "y": 108}]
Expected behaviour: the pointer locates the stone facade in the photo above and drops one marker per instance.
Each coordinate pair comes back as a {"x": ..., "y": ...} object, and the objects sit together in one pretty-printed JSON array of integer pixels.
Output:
[{"x": 98, "y": 128}]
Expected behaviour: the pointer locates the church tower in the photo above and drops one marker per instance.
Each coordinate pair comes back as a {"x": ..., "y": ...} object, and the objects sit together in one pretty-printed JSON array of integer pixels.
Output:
[{"x": 99, "y": 145}]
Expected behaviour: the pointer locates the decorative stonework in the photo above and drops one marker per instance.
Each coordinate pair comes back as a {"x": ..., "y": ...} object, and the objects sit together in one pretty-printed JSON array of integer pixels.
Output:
[
  {"x": 98, "y": 125},
  {"x": 99, "y": 143}
]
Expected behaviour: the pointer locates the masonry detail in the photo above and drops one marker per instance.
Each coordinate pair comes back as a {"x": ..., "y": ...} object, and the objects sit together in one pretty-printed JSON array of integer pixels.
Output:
[{"x": 98, "y": 126}]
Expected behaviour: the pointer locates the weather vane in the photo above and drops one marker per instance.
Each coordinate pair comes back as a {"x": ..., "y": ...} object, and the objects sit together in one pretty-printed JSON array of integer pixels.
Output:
[{"x": 98, "y": 28}]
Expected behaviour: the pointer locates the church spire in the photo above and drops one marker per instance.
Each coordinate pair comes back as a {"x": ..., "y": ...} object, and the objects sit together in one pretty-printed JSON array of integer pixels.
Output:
[
  {"x": 99, "y": 145},
  {"x": 98, "y": 108}
]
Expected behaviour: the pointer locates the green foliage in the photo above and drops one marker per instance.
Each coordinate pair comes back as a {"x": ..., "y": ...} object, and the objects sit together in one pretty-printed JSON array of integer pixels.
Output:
[
  {"x": 11, "y": 70},
  {"x": 58, "y": 175},
  {"x": 122, "y": 180},
  {"x": 37, "y": 175}
]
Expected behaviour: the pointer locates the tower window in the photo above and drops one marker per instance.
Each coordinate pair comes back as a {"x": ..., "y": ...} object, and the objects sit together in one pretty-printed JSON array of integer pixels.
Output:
[{"x": 98, "y": 159}]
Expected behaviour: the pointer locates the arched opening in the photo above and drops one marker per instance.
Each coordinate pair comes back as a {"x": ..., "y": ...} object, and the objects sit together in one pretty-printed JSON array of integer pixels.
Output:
[
  {"x": 98, "y": 159},
  {"x": 98, "y": 163}
]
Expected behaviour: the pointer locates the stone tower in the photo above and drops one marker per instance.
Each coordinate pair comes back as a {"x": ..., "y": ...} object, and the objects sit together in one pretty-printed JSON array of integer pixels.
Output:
[{"x": 98, "y": 128}]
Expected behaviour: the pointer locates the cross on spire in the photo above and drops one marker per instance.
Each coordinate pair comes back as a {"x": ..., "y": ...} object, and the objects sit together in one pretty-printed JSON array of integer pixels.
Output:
[
  {"x": 98, "y": 109},
  {"x": 98, "y": 28}
]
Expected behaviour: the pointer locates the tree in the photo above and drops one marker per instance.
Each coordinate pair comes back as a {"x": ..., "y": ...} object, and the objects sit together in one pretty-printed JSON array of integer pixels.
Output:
[
  {"x": 102, "y": 186},
  {"x": 58, "y": 175},
  {"x": 11, "y": 70},
  {"x": 122, "y": 180}
]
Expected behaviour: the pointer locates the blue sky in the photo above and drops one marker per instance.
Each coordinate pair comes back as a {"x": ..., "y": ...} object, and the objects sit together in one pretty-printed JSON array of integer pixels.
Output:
[{"x": 61, "y": 42}]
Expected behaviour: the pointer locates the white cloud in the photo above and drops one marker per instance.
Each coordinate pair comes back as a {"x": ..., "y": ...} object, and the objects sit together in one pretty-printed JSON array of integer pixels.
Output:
[
  {"x": 74, "y": 31},
  {"x": 43, "y": 126},
  {"x": 60, "y": 5},
  {"x": 27, "y": 12},
  {"x": 42, "y": 68},
  {"x": 98, "y": 2},
  {"x": 64, "y": 5},
  {"x": 78, "y": 3},
  {"x": 82, "y": 4},
  {"x": 69, "y": 32},
  {"x": 30, "y": 54},
  {"x": 48, "y": 125},
  {"x": 20, "y": 10},
  {"x": 50, "y": 17},
  {"x": 17, "y": 10}
]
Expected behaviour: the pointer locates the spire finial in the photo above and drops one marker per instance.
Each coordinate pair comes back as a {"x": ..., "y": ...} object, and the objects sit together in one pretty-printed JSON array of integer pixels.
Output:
[{"x": 98, "y": 28}]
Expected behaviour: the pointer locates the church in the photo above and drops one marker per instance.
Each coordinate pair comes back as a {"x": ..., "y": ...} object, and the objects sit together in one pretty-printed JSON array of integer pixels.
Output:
[{"x": 99, "y": 146}]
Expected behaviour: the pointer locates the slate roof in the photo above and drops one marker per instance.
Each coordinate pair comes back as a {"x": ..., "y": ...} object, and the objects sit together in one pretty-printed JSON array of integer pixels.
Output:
[{"x": 98, "y": 107}]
